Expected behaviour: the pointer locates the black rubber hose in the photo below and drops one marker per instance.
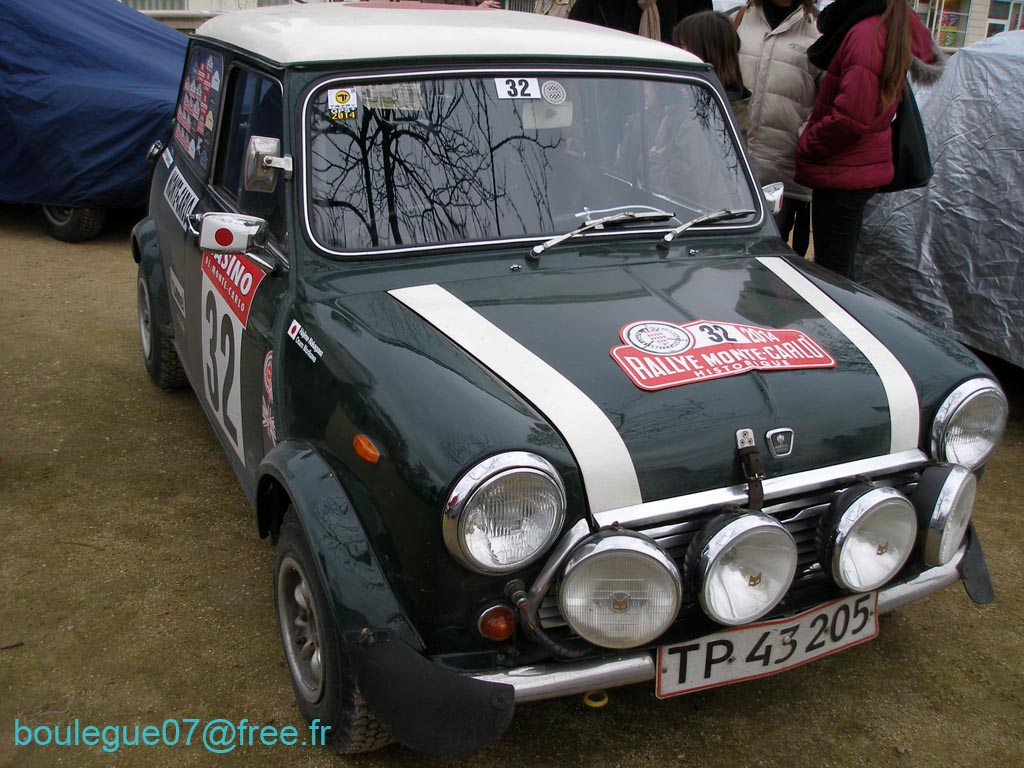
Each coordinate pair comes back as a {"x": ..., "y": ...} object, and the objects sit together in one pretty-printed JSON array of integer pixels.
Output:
[{"x": 516, "y": 592}]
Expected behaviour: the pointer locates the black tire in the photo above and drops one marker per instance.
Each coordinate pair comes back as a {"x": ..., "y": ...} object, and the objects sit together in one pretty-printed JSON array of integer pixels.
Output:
[
  {"x": 72, "y": 225},
  {"x": 322, "y": 678},
  {"x": 158, "y": 352}
]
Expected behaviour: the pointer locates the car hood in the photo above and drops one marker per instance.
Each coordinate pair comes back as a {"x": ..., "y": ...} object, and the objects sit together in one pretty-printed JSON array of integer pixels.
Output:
[{"x": 650, "y": 412}]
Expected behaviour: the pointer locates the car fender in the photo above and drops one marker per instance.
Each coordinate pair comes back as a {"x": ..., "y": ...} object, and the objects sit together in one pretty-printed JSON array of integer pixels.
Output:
[
  {"x": 357, "y": 590},
  {"x": 146, "y": 253}
]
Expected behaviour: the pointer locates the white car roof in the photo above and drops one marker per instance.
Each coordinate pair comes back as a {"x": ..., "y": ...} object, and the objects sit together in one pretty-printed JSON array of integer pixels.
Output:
[{"x": 301, "y": 34}]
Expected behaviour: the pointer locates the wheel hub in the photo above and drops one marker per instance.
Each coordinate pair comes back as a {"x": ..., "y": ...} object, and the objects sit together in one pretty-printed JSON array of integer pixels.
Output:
[{"x": 300, "y": 629}]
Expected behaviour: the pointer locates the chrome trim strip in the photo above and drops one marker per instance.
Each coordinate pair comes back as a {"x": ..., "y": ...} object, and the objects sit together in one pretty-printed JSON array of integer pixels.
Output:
[
  {"x": 669, "y": 510},
  {"x": 904, "y": 407},
  {"x": 923, "y": 585},
  {"x": 549, "y": 681},
  {"x": 650, "y": 72},
  {"x": 609, "y": 477}
]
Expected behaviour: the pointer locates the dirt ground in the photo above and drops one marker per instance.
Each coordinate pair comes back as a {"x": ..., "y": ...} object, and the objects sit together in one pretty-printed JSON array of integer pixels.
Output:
[{"x": 133, "y": 586}]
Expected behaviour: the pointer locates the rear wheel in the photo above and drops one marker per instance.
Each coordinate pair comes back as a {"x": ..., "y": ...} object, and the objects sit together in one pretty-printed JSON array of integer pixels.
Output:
[
  {"x": 322, "y": 678},
  {"x": 72, "y": 225},
  {"x": 158, "y": 352}
]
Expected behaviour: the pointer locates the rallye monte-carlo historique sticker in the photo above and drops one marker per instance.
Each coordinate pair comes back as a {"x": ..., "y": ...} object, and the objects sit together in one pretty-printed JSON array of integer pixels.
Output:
[{"x": 657, "y": 355}]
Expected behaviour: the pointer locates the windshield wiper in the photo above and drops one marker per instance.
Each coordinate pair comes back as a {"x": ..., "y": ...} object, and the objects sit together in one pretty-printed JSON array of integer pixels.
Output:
[
  {"x": 614, "y": 220},
  {"x": 721, "y": 215}
]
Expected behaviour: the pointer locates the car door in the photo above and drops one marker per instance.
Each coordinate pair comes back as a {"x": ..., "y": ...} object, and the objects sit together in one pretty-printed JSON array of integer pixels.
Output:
[
  {"x": 180, "y": 177},
  {"x": 238, "y": 295}
]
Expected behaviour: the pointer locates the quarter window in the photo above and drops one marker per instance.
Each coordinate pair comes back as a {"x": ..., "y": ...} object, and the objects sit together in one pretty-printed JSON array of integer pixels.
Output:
[{"x": 198, "y": 104}]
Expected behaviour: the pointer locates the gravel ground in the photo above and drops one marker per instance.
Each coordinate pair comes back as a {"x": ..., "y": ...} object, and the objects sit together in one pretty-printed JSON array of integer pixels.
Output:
[{"x": 133, "y": 586}]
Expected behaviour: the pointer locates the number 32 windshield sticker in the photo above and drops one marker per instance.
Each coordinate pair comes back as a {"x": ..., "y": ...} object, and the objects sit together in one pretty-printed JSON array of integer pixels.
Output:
[
  {"x": 657, "y": 355},
  {"x": 229, "y": 285},
  {"x": 517, "y": 87}
]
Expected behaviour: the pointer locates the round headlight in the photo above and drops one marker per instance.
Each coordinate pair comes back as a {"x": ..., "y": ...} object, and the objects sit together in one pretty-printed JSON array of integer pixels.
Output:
[
  {"x": 944, "y": 499},
  {"x": 619, "y": 590},
  {"x": 970, "y": 423},
  {"x": 867, "y": 536},
  {"x": 742, "y": 566},
  {"x": 504, "y": 513}
]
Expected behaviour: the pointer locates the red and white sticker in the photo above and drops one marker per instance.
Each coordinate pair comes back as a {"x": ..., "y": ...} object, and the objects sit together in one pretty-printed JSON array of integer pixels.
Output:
[
  {"x": 658, "y": 355},
  {"x": 235, "y": 278}
]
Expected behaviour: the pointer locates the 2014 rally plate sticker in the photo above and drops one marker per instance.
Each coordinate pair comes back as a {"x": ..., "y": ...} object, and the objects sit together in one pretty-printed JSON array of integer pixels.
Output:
[
  {"x": 657, "y": 355},
  {"x": 759, "y": 650}
]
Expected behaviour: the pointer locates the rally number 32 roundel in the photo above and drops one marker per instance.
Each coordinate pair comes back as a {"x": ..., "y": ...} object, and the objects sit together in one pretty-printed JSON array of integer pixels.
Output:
[{"x": 657, "y": 355}]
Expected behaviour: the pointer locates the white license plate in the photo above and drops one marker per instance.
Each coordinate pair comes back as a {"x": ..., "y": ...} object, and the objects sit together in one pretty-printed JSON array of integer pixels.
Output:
[{"x": 757, "y": 650}]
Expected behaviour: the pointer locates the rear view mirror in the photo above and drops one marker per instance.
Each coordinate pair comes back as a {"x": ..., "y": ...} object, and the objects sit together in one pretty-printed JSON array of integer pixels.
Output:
[
  {"x": 773, "y": 196},
  {"x": 231, "y": 233},
  {"x": 262, "y": 161}
]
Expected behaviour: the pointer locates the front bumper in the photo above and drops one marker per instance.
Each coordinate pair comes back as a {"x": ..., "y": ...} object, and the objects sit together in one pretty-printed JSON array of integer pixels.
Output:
[{"x": 554, "y": 679}]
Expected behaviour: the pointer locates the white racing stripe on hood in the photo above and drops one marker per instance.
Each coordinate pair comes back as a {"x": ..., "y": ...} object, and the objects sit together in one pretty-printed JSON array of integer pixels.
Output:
[
  {"x": 904, "y": 407},
  {"x": 609, "y": 476}
]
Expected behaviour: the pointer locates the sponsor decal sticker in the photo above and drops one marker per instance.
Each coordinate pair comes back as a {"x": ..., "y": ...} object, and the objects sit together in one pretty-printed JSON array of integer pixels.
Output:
[
  {"x": 178, "y": 294},
  {"x": 268, "y": 375},
  {"x": 304, "y": 341},
  {"x": 553, "y": 92},
  {"x": 658, "y": 355},
  {"x": 180, "y": 197},
  {"x": 267, "y": 400},
  {"x": 168, "y": 157},
  {"x": 343, "y": 103},
  {"x": 236, "y": 279}
]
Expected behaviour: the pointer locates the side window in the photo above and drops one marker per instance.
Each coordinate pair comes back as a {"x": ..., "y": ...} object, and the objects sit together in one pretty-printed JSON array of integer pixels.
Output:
[
  {"x": 198, "y": 103},
  {"x": 253, "y": 109}
]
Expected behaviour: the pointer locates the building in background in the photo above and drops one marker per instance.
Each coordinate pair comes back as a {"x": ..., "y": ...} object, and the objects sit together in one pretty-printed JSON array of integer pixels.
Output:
[{"x": 954, "y": 23}]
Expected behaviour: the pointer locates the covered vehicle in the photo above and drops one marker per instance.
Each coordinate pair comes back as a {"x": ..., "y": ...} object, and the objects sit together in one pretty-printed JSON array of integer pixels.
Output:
[
  {"x": 88, "y": 86},
  {"x": 493, "y": 323},
  {"x": 952, "y": 252}
]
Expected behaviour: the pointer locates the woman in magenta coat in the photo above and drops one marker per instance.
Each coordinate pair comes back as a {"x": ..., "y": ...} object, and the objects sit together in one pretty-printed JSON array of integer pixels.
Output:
[{"x": 845, "y": 152}]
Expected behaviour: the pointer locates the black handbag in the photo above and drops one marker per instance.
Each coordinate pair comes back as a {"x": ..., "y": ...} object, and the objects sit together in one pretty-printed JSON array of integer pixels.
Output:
[{"x": 910, "y": 158}]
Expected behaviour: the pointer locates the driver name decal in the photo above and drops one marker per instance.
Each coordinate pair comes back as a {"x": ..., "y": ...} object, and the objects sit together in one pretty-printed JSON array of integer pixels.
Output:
[{"x": 658, "y": 355}]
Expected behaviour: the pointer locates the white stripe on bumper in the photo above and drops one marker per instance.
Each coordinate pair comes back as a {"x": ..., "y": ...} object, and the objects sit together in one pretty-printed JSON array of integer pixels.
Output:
[
  {"x": 904, "y": 407},
  {"x": 609, "y": 476}
]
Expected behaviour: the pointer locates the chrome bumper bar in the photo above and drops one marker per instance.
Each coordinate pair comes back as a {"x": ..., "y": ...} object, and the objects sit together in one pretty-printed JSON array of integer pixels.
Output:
[{"x": 553, "y": 679}]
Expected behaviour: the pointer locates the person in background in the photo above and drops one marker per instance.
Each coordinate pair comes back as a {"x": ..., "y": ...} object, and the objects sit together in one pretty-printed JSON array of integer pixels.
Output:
[
  {"x": 559, "y": 8},
  {"x": 710, "y": 36},
  {"x": 774, "y": 38},
  {"x": 845, "y": 152},
  {"x": 650, "y": 18}
]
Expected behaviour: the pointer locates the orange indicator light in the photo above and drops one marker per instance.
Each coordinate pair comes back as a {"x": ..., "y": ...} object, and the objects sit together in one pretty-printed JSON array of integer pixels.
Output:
[
  {"x": 497, "y": 623},
  {"x": 365, "y": 449}
]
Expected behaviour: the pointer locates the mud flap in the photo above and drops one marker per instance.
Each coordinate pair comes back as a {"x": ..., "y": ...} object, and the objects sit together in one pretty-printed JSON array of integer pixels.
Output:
[
  {"x": 428, "y": 708},
  {"x": 974, "y": 572}
]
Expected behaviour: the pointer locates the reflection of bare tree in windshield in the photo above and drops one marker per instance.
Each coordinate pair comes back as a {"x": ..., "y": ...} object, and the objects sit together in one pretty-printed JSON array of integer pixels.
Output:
[
  {"x": 430, "y": 174},
  {"x": 445, "y": 161}
]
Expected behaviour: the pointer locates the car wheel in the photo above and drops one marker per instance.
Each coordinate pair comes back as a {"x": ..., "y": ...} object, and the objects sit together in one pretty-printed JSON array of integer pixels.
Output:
[
  {"x": 322, "y": 678},
  {"x": 72, "y": 225},
  {"x": 162, "y": 362}
]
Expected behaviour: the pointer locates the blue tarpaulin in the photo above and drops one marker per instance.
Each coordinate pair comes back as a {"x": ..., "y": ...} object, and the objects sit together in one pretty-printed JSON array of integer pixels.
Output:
[{"x": 86, "y": 87}]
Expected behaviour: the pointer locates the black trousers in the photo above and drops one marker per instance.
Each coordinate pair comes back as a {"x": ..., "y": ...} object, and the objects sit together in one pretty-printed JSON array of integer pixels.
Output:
[
  {"x": 837, "y": 215},
  {"x": 795, "y": 217}
]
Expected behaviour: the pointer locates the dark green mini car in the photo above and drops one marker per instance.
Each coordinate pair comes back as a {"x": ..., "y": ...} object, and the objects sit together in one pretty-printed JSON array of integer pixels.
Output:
[{"x": 492, "y": 320}]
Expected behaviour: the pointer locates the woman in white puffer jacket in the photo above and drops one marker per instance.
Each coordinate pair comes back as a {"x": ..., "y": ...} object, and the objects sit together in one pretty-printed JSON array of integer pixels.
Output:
[{"x": 774, "y": 37}]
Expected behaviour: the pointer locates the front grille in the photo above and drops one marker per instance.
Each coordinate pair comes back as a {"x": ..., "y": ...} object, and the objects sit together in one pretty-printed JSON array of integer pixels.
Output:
[{"x": 800, "y": 515}]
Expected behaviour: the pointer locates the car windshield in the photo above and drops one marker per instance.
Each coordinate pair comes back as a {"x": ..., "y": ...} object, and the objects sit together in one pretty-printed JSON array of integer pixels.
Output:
[{"x": 438, "y": 161}]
